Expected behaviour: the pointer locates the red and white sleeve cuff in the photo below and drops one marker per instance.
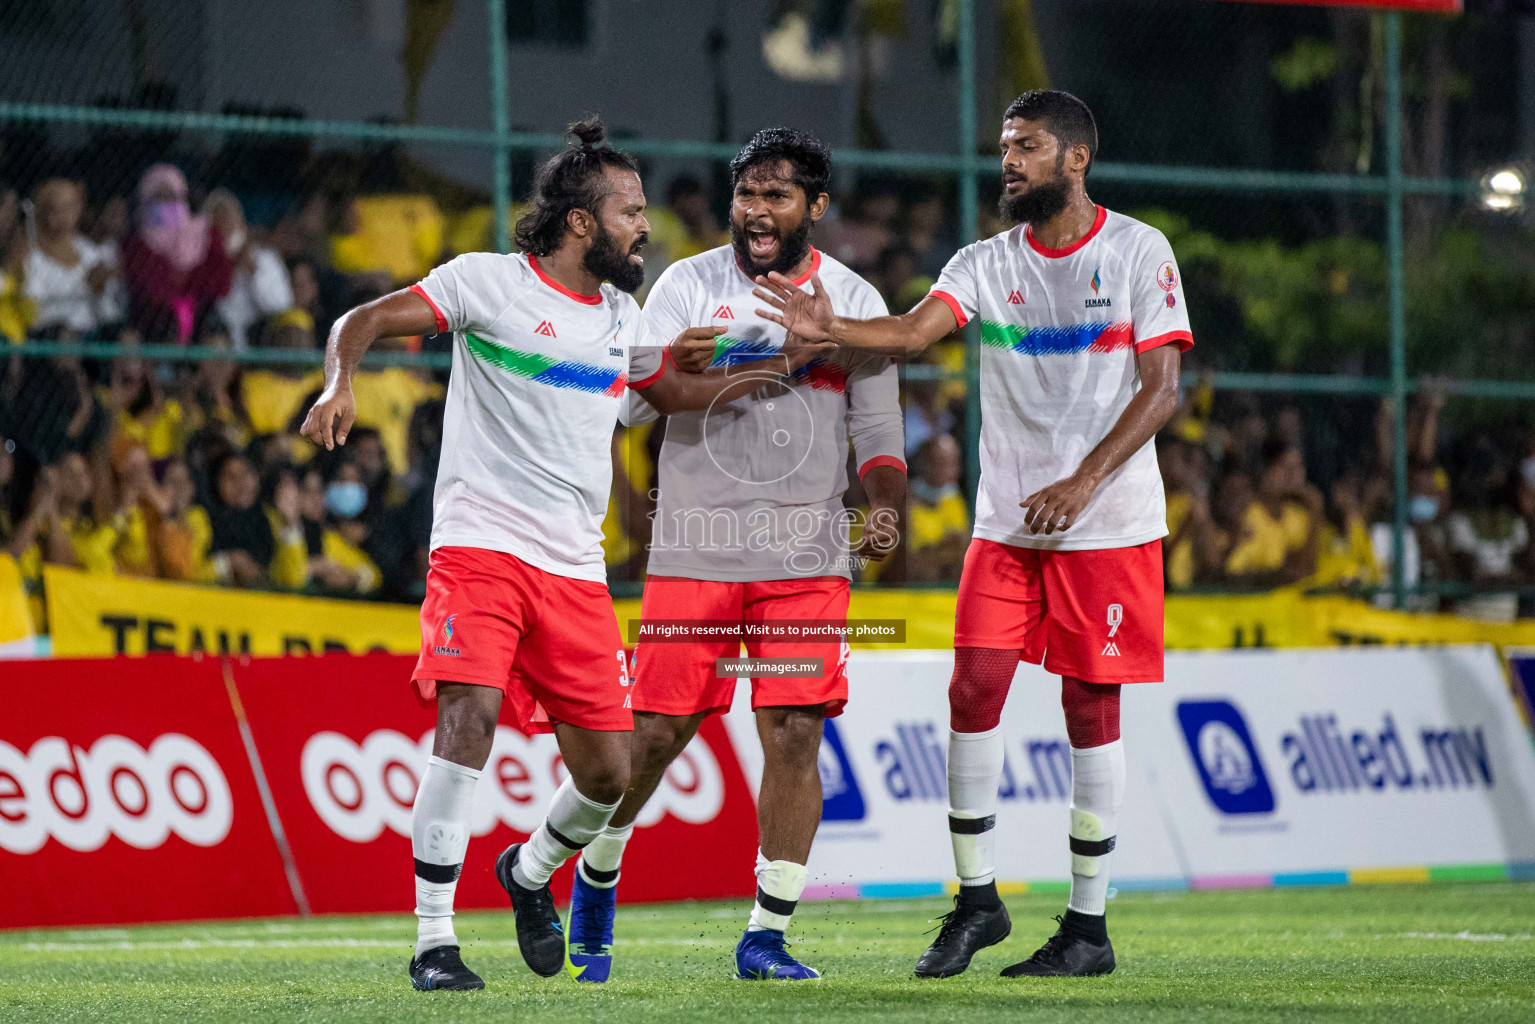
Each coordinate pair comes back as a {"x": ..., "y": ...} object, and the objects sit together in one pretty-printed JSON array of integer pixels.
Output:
[
  {"x": 953, "y": 304},
  {"x": 636, "y": 385},
  {"x": 442, "y": 321},
  {"x": 881, "y": 460},
  {"x": 1183, "y": 339}
]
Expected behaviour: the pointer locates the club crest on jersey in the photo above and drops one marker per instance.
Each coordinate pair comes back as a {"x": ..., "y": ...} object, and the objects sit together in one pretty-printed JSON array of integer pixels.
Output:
[
  {"x": 723, "y": 313},
  {"x": 1167, "y": 277},
  {"x": 1095, "y": 284},
  {"x": 445, "y": 648},
  {"x": 546, "y": 329},
  {"x": 1015, "y": 298}
]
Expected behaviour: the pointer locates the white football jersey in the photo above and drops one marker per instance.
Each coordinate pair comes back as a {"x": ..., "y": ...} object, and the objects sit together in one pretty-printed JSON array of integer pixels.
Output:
[
  {"x": 539, "y": 373},
  {"x": 1060, "y": 330},
  {"x": 751, "y": 489}
]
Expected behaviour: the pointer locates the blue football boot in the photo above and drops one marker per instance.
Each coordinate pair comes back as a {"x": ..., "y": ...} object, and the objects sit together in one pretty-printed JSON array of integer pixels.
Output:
[
  {"x": 761, "y": 956},
  {"x": 589, "y": 929}
]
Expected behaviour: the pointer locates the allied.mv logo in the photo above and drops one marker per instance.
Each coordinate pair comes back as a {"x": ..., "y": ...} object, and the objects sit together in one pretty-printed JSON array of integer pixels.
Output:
[
  {"x": 841, "y": 799},
  {"x": 1228, "y": 762}
]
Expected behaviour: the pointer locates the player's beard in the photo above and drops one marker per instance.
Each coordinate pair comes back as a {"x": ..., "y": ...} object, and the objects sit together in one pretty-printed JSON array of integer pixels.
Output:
[
  {"x": 1038, "y": 204},
  {"x": 792, "y": 248},
  {"x": 608, "y": 262}
]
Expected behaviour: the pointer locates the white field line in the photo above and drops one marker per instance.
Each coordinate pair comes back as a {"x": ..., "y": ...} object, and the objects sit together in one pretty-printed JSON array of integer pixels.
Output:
[
  {"x": 339, "y": 943},
  {"x": 1466, "y": 936}
]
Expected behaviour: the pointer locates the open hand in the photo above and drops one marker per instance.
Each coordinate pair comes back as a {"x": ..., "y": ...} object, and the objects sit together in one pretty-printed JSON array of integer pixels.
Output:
[
  {"x": 1057, "y": 508},
  {"x": 797, "y": 311}
]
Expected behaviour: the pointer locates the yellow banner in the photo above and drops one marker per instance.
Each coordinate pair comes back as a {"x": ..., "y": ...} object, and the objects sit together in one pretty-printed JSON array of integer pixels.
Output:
[
  {"x": 15, "y": 616},
  {"x": 93, "y": 615}
]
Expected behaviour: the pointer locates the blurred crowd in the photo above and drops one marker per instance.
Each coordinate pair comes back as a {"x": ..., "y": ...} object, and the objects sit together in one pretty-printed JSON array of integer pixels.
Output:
[
  {"x": 192, "y": 469},
  {"x": 1261, "y": 497}
]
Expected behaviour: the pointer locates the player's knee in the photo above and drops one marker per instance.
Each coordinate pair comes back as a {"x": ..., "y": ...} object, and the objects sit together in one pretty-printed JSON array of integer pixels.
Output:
[
  {"x": 658, "y": 739},
  {"x": 792, "y": 738},
  {"x": 466, "y": 729},
  {"x": 1092, "y": 712},
  {"x": 604, "y": 782}
]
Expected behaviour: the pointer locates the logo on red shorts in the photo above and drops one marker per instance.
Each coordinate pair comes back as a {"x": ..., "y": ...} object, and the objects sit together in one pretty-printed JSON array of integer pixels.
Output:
[
  {"x": 1116, "y": 616},
  {"x": 444, "y": 648}
]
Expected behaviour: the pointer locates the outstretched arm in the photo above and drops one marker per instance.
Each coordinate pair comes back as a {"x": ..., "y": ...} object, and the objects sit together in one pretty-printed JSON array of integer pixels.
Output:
[
  {"x": 679, "y": 390},
  {"x": 810, "y": 316},
  {"x": 1059, "y": 506},
  {"x": 396, "y": 315}
]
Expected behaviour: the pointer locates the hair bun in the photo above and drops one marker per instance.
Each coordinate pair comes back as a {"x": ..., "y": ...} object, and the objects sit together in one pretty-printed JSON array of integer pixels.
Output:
[{"x": 588, "y": 132}]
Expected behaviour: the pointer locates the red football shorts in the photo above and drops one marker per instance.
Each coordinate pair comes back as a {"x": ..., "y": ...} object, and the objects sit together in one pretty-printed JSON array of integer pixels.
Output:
[
  {"x": 678, "y": 678},
  {"x": 550, "y": 643},
  {"x": 1094, "y": 615}
]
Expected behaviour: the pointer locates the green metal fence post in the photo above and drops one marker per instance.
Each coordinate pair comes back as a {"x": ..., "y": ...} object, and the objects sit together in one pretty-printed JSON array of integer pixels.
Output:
[
  {"x": 969, "y": 228},
  {"x": 1397, "y": 300},
  {"x": 501, "y": 126}
]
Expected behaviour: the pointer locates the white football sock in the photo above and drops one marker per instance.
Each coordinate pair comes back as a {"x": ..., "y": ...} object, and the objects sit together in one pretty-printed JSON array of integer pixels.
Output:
[
  {"x": 780, "y": 883},
  {"x": 573, "y": 821},
  {"x": 599, "y": 861},
  {"x": 439, "y": 835},
  {"x": 1097, "y": 793},
  {"x": 975, "y": 772}
]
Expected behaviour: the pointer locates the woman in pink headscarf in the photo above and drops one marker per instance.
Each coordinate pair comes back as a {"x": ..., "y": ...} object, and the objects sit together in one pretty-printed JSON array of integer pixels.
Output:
[{"x": 174, "y": 263}]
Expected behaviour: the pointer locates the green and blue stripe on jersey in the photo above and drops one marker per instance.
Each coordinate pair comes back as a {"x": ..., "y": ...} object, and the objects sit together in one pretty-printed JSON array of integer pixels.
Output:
[
  {"x": 542, "y": 369},
  {"x": 1058, "y": 339},
  {"x": 819, "y": 375}
]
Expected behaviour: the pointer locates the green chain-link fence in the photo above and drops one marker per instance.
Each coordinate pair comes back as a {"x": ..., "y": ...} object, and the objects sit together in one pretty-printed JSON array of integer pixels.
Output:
[{"x": 1315, "y": 281}]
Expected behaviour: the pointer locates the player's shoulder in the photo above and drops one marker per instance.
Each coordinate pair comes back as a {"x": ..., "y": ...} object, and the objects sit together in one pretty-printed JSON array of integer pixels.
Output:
[
  {"x": 499, "y": 266},
  {"x": 838, "y": 277},
  {"x": 703, "y": 269},
  {"x": 1131, "y": 236},
  {"x": 614, "y": 296},
  {"x": 1002, "y": 245}
]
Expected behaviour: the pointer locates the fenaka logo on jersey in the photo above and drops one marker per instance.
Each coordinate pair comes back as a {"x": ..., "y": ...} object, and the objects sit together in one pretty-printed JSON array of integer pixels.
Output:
[
  {"x": 546, "y": 329},
  {"x": 1015, "y": 298},
  {"x": 1096, "y": 283},
  {"x": 445, "y": 648},
  {"x": 1223, "y": 752},
  {"x": 724, "y": 313},
  {"x": 1116, "y": 616}
]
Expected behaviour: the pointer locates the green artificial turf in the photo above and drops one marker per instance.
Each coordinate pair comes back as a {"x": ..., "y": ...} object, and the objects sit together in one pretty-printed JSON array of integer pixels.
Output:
[{"x": 1398, "y": 953}]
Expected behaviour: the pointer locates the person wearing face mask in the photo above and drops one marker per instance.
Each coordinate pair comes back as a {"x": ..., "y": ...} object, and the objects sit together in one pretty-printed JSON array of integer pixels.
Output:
[
  {"x": 260, "y": 287},
  {"x": 176, "y": 265},
  {"x": 341, "y": 563},
  {"x": 1423, "y": 547}
]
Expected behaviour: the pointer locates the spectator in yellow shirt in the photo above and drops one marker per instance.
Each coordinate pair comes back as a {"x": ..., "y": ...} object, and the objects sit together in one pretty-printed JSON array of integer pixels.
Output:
[
  {"x": 77, "y": 535},
  {"x": 183, "y": 534},
  {"x": 937, "y": 518},
  {"x": 1281, "y": 528},
  {"x": 1345, "y": 553},
  {"x": 254, "y": 546},
  {"x": 141, "y": 412}
]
